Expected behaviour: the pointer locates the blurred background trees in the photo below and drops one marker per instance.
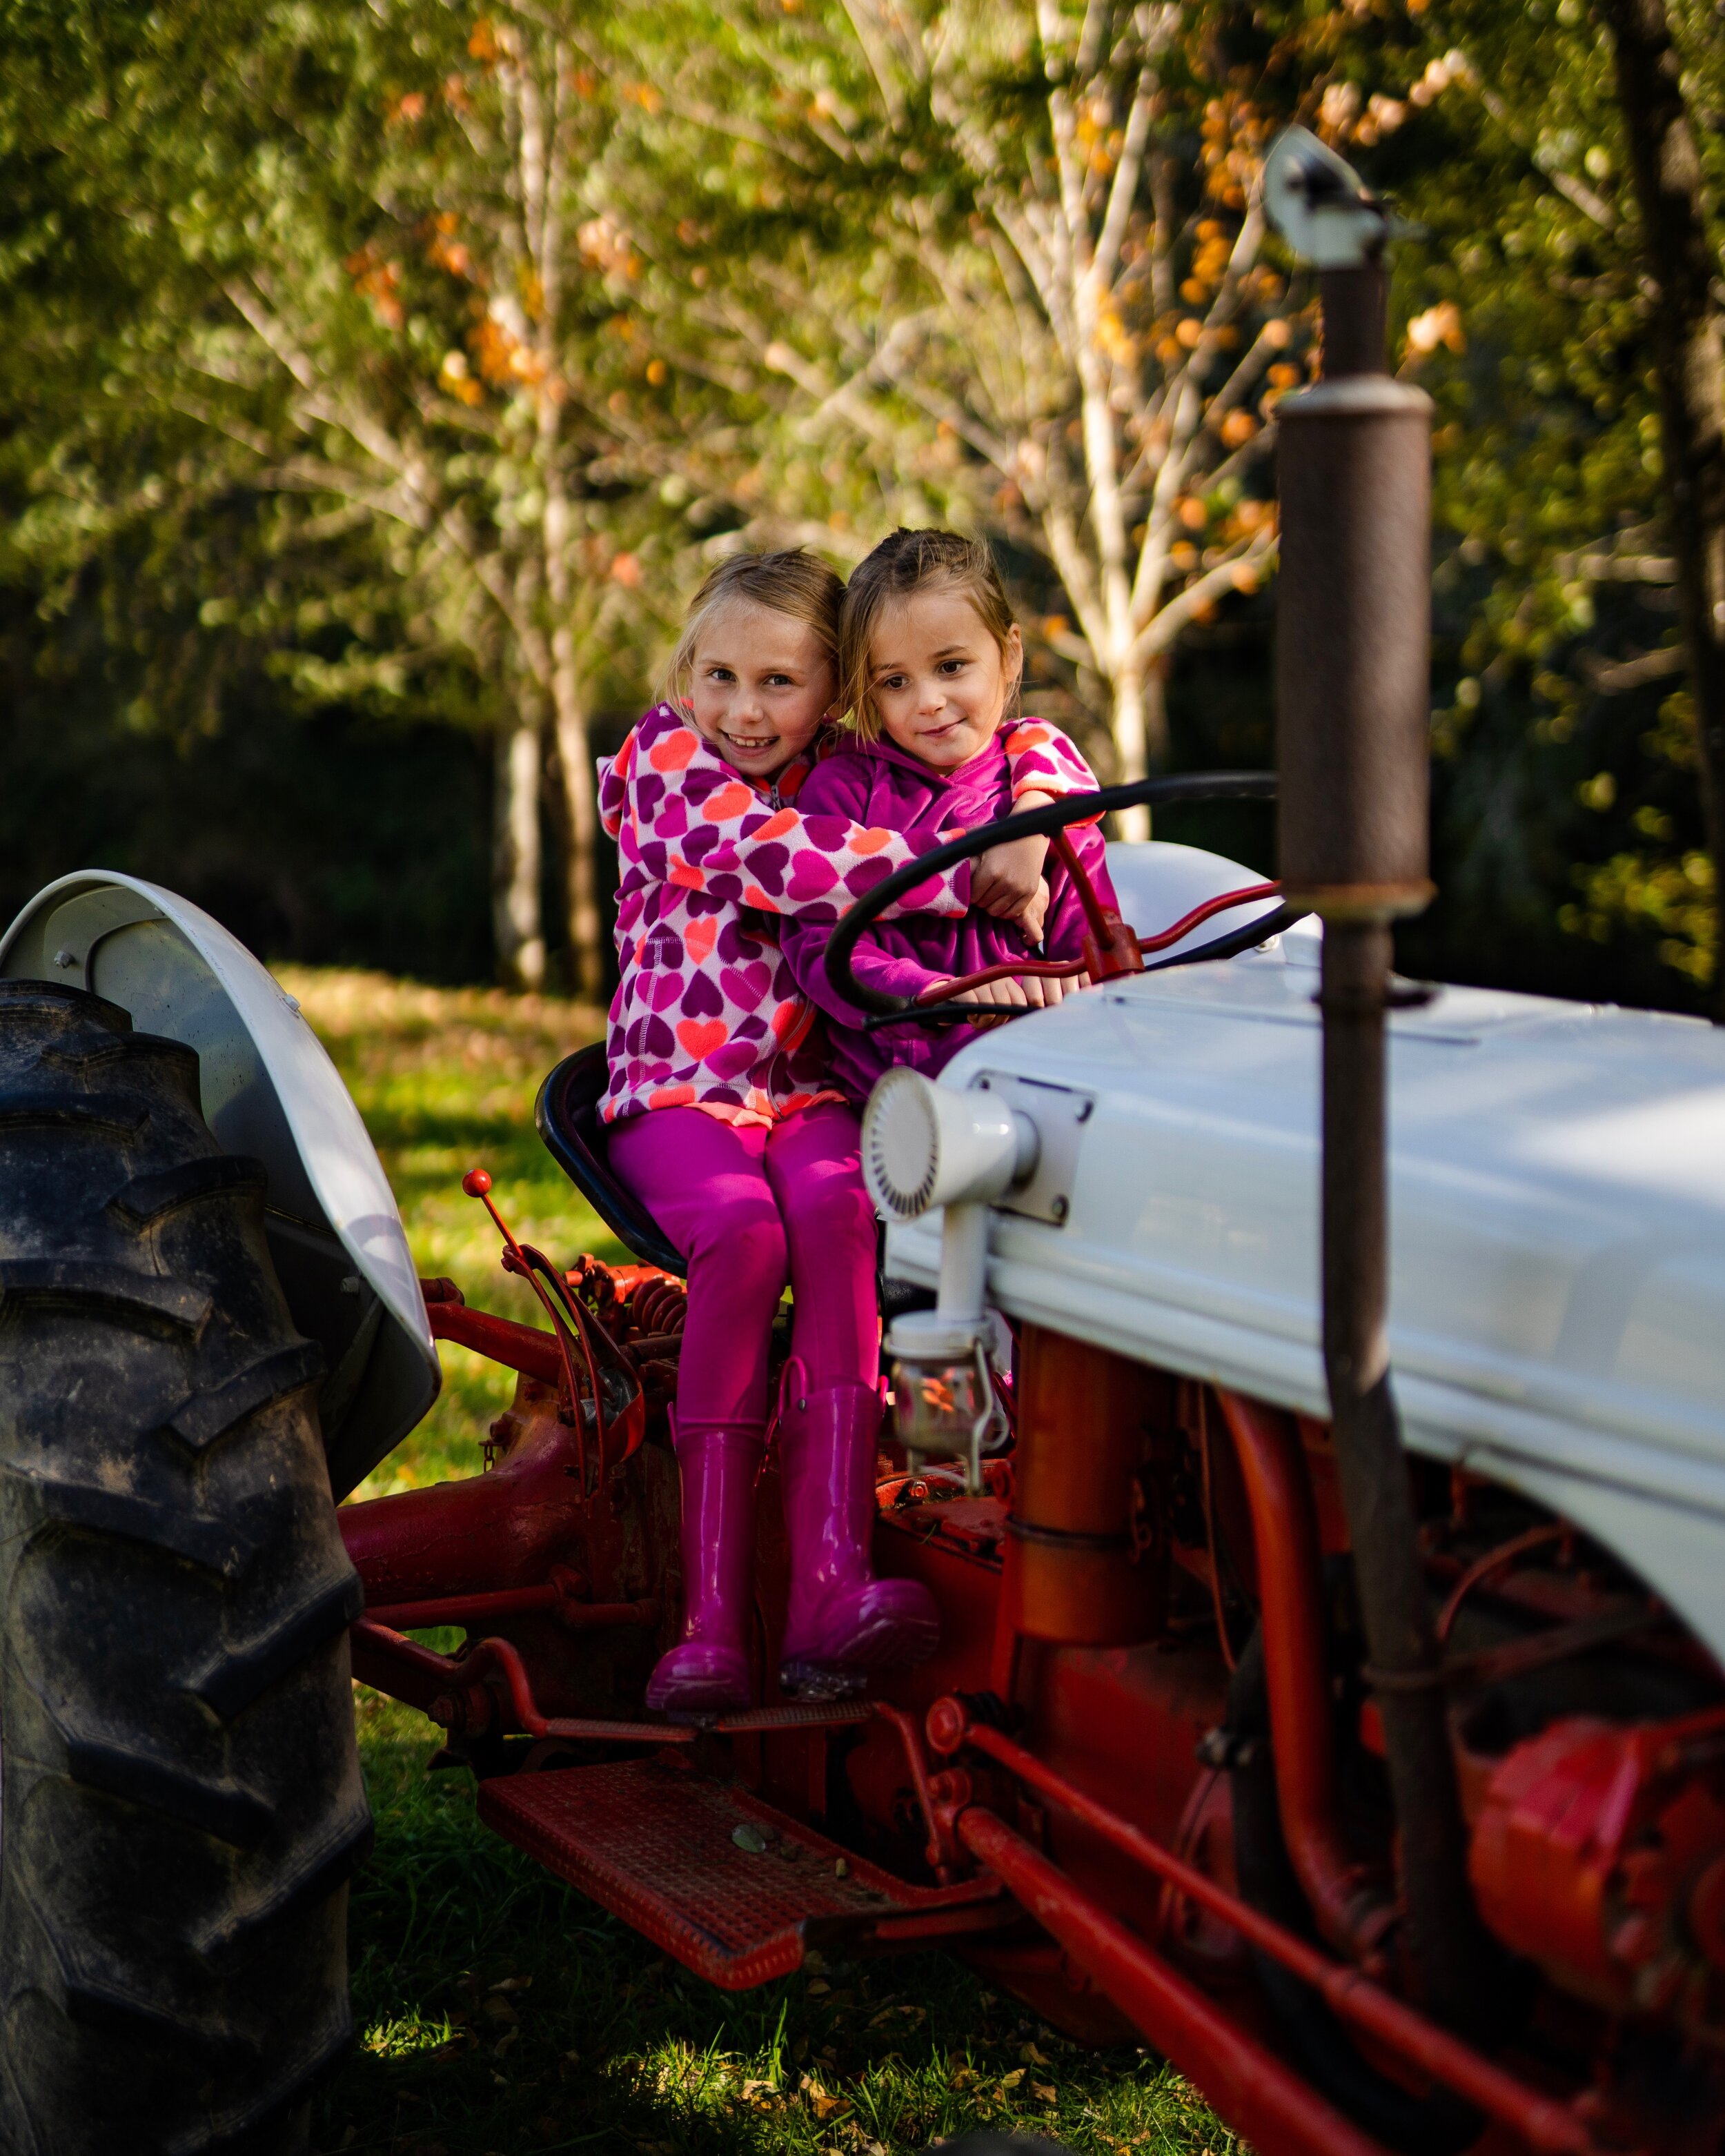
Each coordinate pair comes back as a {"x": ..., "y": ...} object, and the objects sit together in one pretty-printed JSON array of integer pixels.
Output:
[{"x": 380, "y": 379}]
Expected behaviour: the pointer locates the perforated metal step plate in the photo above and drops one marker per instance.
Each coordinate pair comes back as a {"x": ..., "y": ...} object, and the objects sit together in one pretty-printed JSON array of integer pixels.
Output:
[{"x": 657, "y": 1845}]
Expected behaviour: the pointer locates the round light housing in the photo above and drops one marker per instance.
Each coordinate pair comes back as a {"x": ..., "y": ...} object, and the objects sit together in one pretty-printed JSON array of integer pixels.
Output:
[{"x": 924, "y": 1145}]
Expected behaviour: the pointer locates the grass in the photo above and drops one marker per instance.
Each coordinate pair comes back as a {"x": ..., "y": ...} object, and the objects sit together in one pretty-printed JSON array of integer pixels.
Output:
[{"x": 500, "y": 2014}]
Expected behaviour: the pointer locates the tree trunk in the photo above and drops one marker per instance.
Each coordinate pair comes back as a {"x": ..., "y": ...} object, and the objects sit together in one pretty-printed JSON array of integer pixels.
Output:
[
  {"x": 1140, "y": 727},
  {"x": 1690, "y": 361},
  {"x": 581, "y": 814},
  {"x": 517, "y": 926}
]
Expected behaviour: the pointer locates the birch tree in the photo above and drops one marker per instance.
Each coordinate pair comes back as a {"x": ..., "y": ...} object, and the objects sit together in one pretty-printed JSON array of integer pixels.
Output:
[
  {"x": 424, "y": 329},
  {"x": 1061, "y": 322}
]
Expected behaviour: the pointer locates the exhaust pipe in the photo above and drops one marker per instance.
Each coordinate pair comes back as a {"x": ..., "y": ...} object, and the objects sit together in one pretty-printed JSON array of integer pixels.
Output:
[{"x": 1353, "y": 691}]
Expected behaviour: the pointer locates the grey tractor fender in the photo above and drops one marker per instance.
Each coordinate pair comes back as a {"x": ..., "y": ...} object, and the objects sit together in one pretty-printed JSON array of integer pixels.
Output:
[{"x": 270, "y": 1089}]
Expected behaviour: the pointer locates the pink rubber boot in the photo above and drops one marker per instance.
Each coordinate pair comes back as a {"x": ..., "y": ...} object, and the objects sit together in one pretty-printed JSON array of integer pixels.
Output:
[
  {"x": 841, "y": 1621},
  {"x": 707, "y": 1671}
]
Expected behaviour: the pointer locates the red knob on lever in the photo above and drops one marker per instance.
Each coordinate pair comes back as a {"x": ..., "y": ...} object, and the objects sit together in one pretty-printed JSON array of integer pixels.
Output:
[{"x": 476, "y": 1183}]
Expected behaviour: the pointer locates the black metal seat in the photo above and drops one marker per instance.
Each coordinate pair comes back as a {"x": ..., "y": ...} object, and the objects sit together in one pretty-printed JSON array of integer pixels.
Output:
[{"x": 567, "y": 1117}]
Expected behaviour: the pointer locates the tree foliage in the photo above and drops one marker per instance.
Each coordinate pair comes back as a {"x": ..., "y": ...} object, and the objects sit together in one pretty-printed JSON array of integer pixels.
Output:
[{"x": 412, "y": 359}]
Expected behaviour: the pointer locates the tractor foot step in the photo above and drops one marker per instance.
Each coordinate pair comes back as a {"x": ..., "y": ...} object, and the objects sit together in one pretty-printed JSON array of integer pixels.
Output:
[{"x": 732, "y": 1888}]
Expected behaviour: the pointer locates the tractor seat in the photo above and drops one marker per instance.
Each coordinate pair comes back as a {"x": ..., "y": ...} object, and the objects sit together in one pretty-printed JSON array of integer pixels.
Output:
[{"x": 567, "y": 1117}]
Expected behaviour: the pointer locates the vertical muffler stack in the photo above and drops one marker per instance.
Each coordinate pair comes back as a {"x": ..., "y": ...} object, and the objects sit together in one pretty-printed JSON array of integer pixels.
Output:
[{"x": 1352, "y": 670}]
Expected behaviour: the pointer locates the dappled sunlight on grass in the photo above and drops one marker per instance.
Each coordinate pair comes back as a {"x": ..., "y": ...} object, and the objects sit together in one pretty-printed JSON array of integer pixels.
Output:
[{"x": 497, "y": 2013}]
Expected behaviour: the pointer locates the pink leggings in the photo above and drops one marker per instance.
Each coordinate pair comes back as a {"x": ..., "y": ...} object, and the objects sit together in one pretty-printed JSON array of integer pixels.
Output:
[{"x": 744, "y": 1204}]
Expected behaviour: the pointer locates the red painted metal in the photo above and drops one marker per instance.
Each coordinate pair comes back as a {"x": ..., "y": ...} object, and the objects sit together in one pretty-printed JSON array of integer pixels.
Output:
[
  {"x": 659, "y": 1847},
  {"x": 940, "y": 1853},
  {"x": 1543, "y": 2124},
  {"x": 461, "y": 1693},
  {"x": 1133, "y": 1841},
  {"x": 477, "y": 1183},
  {"x": 1494, "y": 1560},
  {"x": 1597, "y": 1854},
  {"x": 474, "y": 1610},
  {"x": 1222, "y": 903},
  {"x": 1254, "y": 2091},
  {"x": 1108, "y": 935},
  {"x": 1072, "y": 1574},
  {"x": 1349, "y": 1913},
  {"x": 491, "y": 1532},
  {"x": 521, "y": 1348}
]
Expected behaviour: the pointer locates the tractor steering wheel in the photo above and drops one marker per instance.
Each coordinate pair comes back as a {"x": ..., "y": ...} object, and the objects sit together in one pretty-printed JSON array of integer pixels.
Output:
[{"x": 883, "y": 1010}]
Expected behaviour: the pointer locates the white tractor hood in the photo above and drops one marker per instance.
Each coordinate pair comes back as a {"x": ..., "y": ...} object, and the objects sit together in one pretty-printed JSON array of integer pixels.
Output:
[{"x": 1558, "y": 1219}]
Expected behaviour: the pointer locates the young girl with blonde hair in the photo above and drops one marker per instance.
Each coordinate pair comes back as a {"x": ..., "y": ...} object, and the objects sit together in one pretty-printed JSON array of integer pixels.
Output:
[{"x": 724, "y": 1122}]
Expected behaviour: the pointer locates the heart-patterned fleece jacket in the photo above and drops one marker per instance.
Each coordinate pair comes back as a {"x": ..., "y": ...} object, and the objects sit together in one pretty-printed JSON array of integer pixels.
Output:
[{"x": 706, "y": 1015}]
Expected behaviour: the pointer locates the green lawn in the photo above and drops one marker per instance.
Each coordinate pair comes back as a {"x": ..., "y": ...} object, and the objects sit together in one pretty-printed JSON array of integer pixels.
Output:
[{"x": 499, "y": 2013}]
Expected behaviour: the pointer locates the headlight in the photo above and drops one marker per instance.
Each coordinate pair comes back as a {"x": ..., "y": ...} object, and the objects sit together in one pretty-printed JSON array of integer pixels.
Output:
[{"x": 924, "y": 1145}]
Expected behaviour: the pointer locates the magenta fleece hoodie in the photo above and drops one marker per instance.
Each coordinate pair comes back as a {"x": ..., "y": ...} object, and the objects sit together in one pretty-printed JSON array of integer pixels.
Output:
[{"x": 882, "y": 786}]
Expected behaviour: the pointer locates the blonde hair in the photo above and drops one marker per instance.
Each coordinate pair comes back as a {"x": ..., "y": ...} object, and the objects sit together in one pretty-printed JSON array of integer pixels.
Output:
[
  {"x": 903, "y": 564},
  {"x": 792, "y": 582}
]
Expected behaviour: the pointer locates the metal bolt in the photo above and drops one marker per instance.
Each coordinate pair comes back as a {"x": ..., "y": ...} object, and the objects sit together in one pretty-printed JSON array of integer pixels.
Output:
[
  {"x": 946, "y": 1725},
  {"x": 66, "y": 958},
  {"x": 1060, "y": 1207}
]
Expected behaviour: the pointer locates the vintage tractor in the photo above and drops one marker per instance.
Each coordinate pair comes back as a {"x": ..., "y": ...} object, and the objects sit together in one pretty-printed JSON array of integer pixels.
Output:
[{"x": 1381, "y": 1786}]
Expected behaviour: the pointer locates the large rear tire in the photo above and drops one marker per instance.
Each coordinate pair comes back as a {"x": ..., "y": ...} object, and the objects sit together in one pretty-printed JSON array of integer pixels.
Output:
[{"x": 181, "y": 1802}]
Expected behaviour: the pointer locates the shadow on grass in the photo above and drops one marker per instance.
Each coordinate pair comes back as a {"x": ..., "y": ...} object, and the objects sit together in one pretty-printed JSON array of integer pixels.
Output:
[{"x": 501, "y": 2014}]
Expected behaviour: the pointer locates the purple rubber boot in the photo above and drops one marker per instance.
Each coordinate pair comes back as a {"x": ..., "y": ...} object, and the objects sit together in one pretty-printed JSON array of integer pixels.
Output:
[
  {"x": 707, "y": 1671},
  {"x": 841, "y": 1621}
]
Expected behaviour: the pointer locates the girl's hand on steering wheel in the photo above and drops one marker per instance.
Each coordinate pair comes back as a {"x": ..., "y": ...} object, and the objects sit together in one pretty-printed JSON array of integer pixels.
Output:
[
  {"x": 1030, "y": 923},
  {"x": 1021, "y": 992},
  {"x": 1007, "y": 880}
]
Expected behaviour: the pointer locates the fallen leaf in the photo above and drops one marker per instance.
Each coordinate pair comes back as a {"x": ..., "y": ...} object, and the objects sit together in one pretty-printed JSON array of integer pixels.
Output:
[
  {"x": 1047, "y": 2095},
  {"x": 749, "y": 1838},
  {"x": 818, "y": 1987},
  {"x": 509, "y": 2036},
  {"x": 499, "y": 2009},
  {"x": 1032, "y": 2058},
  {"x": 841, "y": 1870},
  {"x": 1013, "y": 2079},
  {"x": 513, "y": 1983}
]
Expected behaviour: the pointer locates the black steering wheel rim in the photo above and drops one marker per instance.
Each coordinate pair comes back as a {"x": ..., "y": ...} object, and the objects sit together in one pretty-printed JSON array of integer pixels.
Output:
[{"x": 1039, "y": 823}]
